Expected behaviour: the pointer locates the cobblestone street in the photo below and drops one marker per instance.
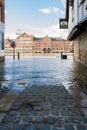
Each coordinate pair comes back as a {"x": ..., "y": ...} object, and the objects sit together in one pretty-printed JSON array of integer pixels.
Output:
[
  {"x": 43, "y": 108},
  {"x": 43, "y": 65},
  {"x": 51, "y": 96}
]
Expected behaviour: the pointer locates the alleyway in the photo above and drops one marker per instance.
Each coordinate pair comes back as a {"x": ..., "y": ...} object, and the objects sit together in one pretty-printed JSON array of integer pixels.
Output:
[{"x": 43, "y": 94}]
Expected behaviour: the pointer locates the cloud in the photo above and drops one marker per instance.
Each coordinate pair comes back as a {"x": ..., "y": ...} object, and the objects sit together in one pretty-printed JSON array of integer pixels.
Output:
[
  {"x": 45, "y": 11},
  {"x": 62, "y": 13},
  {"x": 10, "y": 35},
  {"x": 55, "y": 9},
  {"x": 6, "y": 12},
  {"x": 56, "y": 31},
  {"x": 52, "y": 31},
  {"x": 52, "y": 10},
  {"x": 63, "y": 2},
  {"x": 49, "y": 10}
]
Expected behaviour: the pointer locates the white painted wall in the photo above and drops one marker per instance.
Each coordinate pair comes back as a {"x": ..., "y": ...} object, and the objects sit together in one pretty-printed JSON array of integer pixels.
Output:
[
  {"x": 82, "y": 11},
  {"x": 78, "y": 14}
]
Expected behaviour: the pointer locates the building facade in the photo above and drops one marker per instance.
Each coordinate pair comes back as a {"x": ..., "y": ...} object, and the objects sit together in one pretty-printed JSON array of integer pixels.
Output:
[
  {"x": 2, "y": 21},
  {"x": 61, "y": 46},
  {"x": 9, "y": 47},
  {"x": 37, "y": 46},
  {"x": 46, "y": 44},
  {"x": 76, "y": 16},
  {"x": 24, "y": 44},
  {"x": 27, "y": 44}
]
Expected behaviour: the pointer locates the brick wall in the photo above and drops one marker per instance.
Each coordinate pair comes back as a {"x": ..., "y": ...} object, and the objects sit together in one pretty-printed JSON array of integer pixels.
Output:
[{"x": 80, "y": 48}]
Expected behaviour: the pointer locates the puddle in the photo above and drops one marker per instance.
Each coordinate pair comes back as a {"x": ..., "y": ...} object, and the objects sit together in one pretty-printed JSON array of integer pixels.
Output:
[
  {"x": 4, "y": 84},
  {"x": 20, "y": 85},
  {"x": 29, "y": 106},
  {"x": 23, "y": 82}
]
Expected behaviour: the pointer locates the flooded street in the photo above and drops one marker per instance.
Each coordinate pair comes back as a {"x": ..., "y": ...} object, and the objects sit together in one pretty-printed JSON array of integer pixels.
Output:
[
  {"x": 43, "y": 71},
  {"x": 39, "y": 71},
  {"x": 33, "y": 94}
]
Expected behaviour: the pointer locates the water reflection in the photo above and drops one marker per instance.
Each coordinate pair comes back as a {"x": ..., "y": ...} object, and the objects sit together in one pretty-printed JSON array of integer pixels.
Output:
[
  {"x": 2, "y": 71},
  {"x": 46, "y": 72},
  {"x": 4, "y": 87}
]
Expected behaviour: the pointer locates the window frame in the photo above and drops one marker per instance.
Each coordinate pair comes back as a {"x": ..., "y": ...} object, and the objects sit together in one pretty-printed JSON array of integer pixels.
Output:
[{"x": 0, "y": 13}]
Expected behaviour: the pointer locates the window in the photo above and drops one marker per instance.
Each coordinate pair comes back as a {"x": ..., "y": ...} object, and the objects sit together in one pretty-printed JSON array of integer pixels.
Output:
[
  {"x": 0, "y": 13},
  {"x": 44, "y": 44},
  {"x": 72, "y": 11},
  {"x": 49, "y": 44}
]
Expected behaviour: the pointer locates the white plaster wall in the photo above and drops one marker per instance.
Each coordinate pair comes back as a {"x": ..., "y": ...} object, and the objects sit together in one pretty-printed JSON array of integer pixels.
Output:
[
  {"x": 82, "y": 11},
  {"x": 73, "y": 16},
  {"x": 79, "y": 14}
]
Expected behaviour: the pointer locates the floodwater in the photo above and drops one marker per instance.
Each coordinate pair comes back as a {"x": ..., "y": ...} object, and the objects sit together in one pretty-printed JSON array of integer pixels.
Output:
[
  {"x": 45, "y": 71},
  {"x": 37, "y": 71}
]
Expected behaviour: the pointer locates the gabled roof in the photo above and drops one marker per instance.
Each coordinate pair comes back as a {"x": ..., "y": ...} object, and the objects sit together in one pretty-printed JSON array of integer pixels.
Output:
[
  {"x": 56, "y": 38},
  {"x": 10, "y": 40},
  {"x": 37, "y": 39},
  {"x": 24, "y": 35}
]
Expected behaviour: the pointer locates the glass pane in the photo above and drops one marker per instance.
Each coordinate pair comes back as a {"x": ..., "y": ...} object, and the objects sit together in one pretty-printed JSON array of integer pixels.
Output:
[{"x": 0, "y": 13}]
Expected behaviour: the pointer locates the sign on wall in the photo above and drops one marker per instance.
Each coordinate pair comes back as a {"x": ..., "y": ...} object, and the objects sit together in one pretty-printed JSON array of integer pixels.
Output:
[{"x": 63, "y": 23}]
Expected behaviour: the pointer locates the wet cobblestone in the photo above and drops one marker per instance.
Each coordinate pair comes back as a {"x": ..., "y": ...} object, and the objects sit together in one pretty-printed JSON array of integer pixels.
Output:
[
  {"x": 45, "y": 127},
  {"x": 4, "y": 127},
  {"x": 27, "y": 119},
  {"x": 2, "y": 115},
  {"x": 31, "y": 127},
  {"x": 18, "y": 127},
  {"x": 57, "y": 127},
  {"x": 81, "y": 127},
  {"x": 68, "y": 127},
  {"x": 3, "y": 91},
  {"x": 51, "y": 120},
  {"x": 45, "y": 111}
]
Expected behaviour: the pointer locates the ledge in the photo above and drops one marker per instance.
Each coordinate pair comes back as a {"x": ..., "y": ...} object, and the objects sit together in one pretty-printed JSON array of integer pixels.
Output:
[{"x": 78, "y": 29}]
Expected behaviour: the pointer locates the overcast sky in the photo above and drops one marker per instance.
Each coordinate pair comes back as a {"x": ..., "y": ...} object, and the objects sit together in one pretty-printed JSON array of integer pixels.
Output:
[{"x": 36, "y": 17}]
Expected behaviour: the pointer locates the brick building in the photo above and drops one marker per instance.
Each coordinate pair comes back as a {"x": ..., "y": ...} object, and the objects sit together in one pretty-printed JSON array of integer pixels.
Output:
[
  {"x": 2, "y": 21},
  {"x": 8, "y": 46},
  {"x": 37, "y": 46},
  {"x": 46, "y": 43},
  {"x": 52, "y": 45},
  {"x": 24, "y": 44},
  {"x": 61, "y": 45},
  {"x": 27, "y": 44}
]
